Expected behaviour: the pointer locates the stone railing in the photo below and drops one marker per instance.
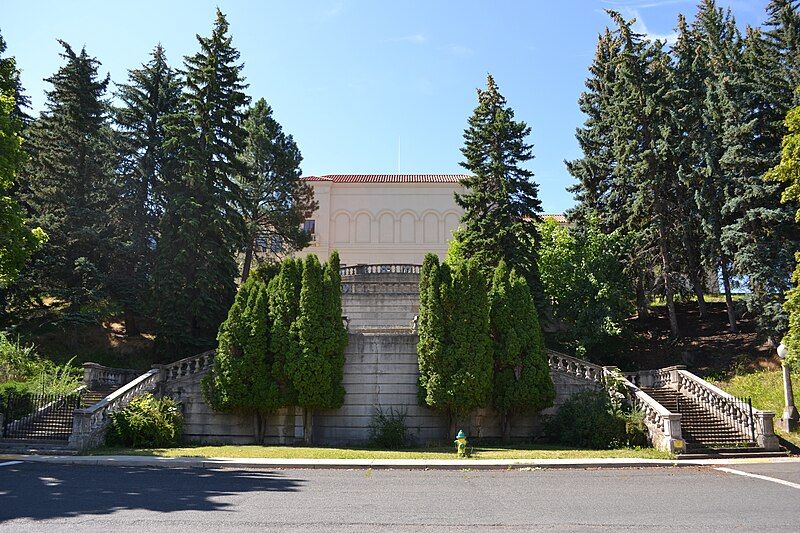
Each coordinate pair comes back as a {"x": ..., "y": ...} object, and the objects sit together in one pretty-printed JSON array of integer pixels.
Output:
[
  {"x": 749, "y": 422},
  {"x": 186, "y": 367},
  {"x": 89, "y": 425},
  {"x": 98, "y": 376},
  {"x": 357, "y": 270},
  {"x": 574, "y": 366},
  {"x": 663, "y": 425}
]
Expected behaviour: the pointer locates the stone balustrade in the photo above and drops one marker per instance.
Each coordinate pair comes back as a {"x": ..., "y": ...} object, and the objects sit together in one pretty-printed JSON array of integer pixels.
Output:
[
  {"x": 89, "y": 425},
  {"x": 97, "y": 376},
  {"x": 574, "y": 366},
  {"x": 360, "y": 270},
  {"x": 187, "y": 367}
]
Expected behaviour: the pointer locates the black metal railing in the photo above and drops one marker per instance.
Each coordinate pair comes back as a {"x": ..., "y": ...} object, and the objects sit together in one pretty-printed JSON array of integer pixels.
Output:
[
  {"x": 38, "y": 416},
  {"x": 356, "y": 270}
]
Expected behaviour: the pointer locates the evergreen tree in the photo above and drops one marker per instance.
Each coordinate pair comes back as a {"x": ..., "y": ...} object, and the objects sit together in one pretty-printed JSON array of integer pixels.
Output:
[
  {"x": 643, "y": 136},
  {"x": 242, "y": 378},
  {"x": 316, "y": 372},
  {"x": 72, "y": 188},
  {"x": 501, "y": 205},
  {"x": 201, "y": 230},
  {"x": 274, "y": 201},
  {"x": 522, "y": 381},
  {"x": 284, "y": 308},
  {"x": 17, "y": 241},
  {"x": 147, "y": 171},
  {"x": 454, "y": 349},
  {"x": 787, "y": 171}
]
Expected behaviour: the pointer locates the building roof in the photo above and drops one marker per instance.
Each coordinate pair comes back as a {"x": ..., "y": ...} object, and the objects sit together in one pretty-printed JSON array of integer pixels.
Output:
[
  {"x": 388, "y": 178},
  {"x": 561, "y": 218}
]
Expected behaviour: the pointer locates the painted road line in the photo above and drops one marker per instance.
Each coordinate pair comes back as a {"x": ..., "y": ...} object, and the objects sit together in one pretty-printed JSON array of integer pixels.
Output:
[
  {"x": 10, "y": 463},
  {"x": 759, "y": 476}
]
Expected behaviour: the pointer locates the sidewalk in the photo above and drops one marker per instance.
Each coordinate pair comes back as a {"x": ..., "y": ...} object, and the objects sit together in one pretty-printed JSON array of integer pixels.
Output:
[{"x": 400, "y": 464}]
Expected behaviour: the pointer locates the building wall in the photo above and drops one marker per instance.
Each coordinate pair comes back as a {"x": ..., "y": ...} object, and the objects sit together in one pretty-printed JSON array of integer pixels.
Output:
[{"x": 371, "y": 223}]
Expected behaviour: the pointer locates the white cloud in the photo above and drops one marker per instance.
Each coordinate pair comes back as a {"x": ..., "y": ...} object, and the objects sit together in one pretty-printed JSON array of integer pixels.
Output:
[
  {"x": 640, "y": 27},
  {"x": 416, "y": 38},
  {"x": 457, "y": 49}
]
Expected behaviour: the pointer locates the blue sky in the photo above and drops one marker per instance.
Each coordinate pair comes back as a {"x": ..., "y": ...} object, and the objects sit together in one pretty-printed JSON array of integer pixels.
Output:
[{"x": 355, "y": 80}]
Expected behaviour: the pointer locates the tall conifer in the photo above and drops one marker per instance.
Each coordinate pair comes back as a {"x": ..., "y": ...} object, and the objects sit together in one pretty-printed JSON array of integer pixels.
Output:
[{"x": 201, "y": 230}]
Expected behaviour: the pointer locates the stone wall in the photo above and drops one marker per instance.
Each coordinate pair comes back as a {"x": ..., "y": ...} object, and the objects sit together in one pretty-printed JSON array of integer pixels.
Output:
[
  {"x": 380, "y": 301},
  {"x": 380, "y": 371}
]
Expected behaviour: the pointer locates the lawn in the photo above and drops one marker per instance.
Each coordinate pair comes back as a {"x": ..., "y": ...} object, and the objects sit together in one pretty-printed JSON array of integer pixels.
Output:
[
  {"x": 302, "y": 452},
  {"x": 765, "y": 388}
]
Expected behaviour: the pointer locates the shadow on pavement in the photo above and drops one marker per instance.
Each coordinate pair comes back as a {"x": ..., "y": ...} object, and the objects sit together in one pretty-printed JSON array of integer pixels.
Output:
[{"x": 40, "y": 492}]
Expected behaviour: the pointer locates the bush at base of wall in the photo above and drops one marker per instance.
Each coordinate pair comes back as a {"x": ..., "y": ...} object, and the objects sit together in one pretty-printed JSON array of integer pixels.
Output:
[{"x": 147, "y": 422}]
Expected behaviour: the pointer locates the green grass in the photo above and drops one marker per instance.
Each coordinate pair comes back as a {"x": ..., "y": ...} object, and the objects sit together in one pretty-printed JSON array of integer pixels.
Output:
[
  {"x": 301, "y": 452},
  {"x": 765, "y": 388}
]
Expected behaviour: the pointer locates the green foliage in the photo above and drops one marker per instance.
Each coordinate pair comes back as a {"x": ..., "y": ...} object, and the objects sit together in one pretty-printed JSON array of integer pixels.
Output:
[
  {"x": 201, "y": 230},
  {"x": 584, "y": 279},
  {"x": 274, "y": 200},
  {"x": 146, "y": 422},
  {"x": 587, "y": 420},
  {"x": 242, "y": 377},
  {"x": 501, "y": 204},
  {"x": 21, "y": 364},
  {"x": 71, "y": 186},
  {"x": 146, "y": 174},
  {"x": 522, "y": 381},
  {"x": 454, "y": 349},
  {"x": 17, "y": 241},
  {"x": 388, "y": 429},
  {"x": 316, "y": 372},
  {"x": 788, "y": 172}
]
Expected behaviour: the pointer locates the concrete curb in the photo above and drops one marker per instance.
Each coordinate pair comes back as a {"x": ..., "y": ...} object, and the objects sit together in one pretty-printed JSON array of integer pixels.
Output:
[{"x": 379, "y": 464}]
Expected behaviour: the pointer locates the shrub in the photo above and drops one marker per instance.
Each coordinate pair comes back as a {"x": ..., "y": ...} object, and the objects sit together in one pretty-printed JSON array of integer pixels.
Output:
[
  {"x": 19, "y": 363},
  {"x": 588, "y": 420},
  {"x": 388, "y": 429},
  {"x": 147, "y": 422}
]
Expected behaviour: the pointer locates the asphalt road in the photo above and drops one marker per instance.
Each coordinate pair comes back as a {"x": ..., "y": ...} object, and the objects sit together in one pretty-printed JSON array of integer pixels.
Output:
[{"x": 43, "y": 497}]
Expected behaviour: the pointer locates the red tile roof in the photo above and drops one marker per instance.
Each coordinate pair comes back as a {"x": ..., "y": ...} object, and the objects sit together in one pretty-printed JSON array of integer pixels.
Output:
[
  {"x": 561, "y": 218},
  {"x": 388, "y": 178}
]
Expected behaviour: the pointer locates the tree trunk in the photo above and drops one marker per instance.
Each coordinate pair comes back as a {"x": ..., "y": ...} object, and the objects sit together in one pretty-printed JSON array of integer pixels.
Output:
[
  {"x": 260, "y": 428},
  {"x": 452, "y": 426},
  {"x": 726, "y": 283},
  {"x": 248, "y": 260},
  {"x": 131, "y": 327},
  {"x": 505, "y": 427},
  {"x": 308, "y": 425},
  {"x": 668, "y": 295},
  {"x": 701, "y": 297},
  {"x": 641, "y": 298}
]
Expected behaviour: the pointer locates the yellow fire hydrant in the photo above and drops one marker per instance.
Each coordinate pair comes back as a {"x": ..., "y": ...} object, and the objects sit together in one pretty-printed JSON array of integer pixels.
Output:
[{"x": 461, "y": 443}]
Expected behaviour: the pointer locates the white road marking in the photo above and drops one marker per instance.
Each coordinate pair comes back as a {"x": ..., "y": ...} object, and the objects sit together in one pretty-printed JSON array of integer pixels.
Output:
[
  {"x": 10, "y": 463},
  {"x": 759, "y": 476}
]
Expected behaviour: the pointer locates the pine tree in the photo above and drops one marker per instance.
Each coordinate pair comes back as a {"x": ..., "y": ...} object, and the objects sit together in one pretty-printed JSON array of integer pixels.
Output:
[
  {"x": 274, "y": 200},
  {"x": 17, "y": 241},
  {"x": 501, "y": 205},
  {"x": 201, "y": 230},
  {"x": 147, "y": 171},
  {"x": 72, "y": 186},
  {"x": 643, "y": 134},
  {"x": 522, "y": 381}
]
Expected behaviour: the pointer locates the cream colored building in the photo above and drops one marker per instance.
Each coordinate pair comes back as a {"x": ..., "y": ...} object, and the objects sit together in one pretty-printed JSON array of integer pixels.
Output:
[{"x": 383, "y": 218}]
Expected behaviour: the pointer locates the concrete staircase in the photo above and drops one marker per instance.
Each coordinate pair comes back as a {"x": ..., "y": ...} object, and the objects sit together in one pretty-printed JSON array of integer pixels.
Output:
[
  {"x": 380, "y": 302},
  {"x": 48, "y": 433},
  {"x": 705, "y": 433}
]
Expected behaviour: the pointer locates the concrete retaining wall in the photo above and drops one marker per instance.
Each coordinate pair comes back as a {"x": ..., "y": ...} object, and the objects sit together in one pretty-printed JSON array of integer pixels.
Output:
[{"x": 380, "y": 371}]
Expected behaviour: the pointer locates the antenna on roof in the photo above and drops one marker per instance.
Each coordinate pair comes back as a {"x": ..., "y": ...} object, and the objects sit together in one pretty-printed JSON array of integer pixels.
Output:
[{"x": 398, "y": 154}]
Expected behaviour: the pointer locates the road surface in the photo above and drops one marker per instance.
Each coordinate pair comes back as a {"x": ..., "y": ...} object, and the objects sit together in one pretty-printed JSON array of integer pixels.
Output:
[{"x": 48, "y": 497}]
